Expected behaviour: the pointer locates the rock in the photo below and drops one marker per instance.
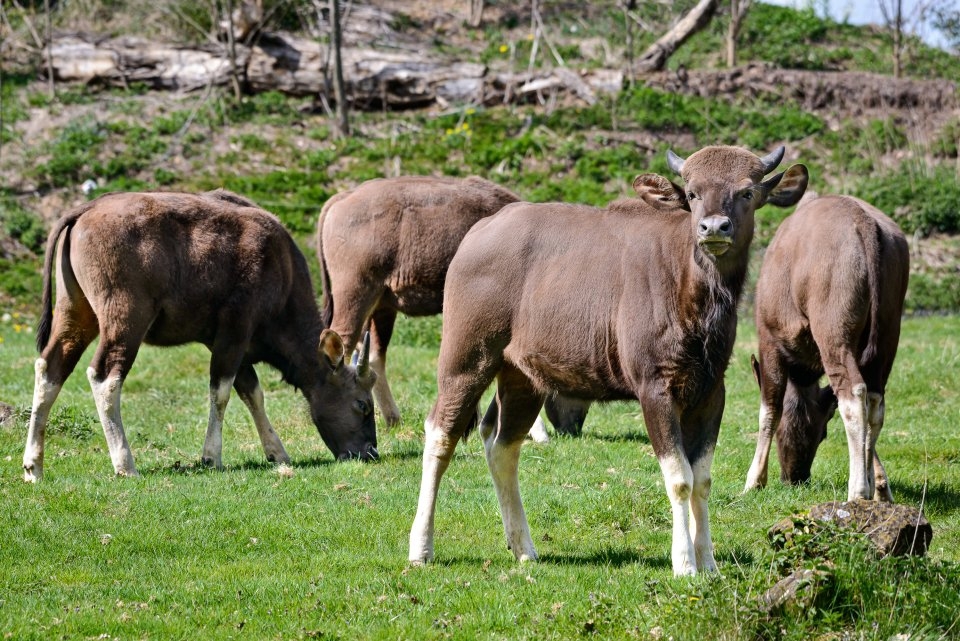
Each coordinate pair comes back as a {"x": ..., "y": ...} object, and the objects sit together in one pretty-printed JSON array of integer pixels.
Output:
[
  {"x": 894, "y": 529},
  {"x": 795, "y": 593}
]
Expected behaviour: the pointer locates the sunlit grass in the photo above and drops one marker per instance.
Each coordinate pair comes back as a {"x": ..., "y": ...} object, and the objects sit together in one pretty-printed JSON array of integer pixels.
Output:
[{"x": 318, "y": 549}]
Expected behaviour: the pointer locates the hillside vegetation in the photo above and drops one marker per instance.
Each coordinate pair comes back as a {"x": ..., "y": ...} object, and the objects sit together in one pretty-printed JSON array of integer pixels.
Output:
[{"x": 281, "y": 150}]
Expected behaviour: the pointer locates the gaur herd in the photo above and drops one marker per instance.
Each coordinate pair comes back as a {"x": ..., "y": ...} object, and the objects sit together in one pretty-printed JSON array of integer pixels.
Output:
[{"x": 558, "y": 304}]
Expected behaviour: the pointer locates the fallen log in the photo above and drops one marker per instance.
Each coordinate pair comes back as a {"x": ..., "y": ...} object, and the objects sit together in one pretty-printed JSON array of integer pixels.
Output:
[{"x": 375, "y": 79}]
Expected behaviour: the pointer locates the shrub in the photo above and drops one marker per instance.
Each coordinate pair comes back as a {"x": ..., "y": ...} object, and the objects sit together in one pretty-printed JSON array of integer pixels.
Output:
[{"x": 919, "y": 199}]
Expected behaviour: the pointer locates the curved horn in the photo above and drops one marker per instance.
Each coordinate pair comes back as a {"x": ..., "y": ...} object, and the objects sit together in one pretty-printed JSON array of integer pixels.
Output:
[
  {"x": 771, "y": 160},
  {"x": 363, "y": 361},
  {"x": 674, "y": 161}
]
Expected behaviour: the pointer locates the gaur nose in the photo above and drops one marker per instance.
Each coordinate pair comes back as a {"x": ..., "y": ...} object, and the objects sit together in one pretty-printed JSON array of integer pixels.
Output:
[{"x": 716, "y": 226}]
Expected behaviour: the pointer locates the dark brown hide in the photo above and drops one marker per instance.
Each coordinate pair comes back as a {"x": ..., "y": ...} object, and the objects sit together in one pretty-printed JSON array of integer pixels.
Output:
[
  {"x": 829, "y": 300},
  {"x": 175, "y": 268},
  {"x": 635, "y": 301}
]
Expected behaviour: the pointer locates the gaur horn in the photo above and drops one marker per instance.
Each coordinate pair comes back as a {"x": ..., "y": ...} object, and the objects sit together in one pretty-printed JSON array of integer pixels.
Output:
[
  {"x": 771, "y": 160},
  {"x": 675, "y": 162},
  {"x": 363, "y": 361}
]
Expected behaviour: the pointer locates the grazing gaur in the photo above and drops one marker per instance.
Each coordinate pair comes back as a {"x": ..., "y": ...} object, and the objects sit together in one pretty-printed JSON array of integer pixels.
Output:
[
  {"x": 829, "y": 300},
  {"x": 634, "y": 301},
  {"x": 385, "y": 246},
  {"x": 174, "y": 268}
]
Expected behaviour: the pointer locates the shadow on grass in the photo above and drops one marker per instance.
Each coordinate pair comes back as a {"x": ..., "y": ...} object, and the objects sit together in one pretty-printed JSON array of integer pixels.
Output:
[
  {"x": 937, "y": 497},
  {"x": 608, "y": 557},
  {"x": 195, "y": 467},
  {"x": 629, "y": 436}
]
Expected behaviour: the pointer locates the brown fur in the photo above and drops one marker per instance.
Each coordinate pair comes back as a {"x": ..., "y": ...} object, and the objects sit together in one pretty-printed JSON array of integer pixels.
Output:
[
  {"x": 829, "y": 300},
  {"x": 174, "y": 268},
  {"x": 627, "y": 302}
]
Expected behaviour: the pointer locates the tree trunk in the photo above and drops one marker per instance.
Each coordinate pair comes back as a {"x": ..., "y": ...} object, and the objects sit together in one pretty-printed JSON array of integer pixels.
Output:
[
  {"x": 339, "y": 94},
  {"x": 476, "y": 13},
  {"x": 892, "y": 11},
  {"x": 655, "y": 57},
  {"x": 232, "y": 53},
  {"x": 628, "y": 6},
  {"x": 738, "y": 11}
]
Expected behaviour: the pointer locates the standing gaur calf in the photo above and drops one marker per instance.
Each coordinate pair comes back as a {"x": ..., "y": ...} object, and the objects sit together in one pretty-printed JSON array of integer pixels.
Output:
[
  {"x": 635, "y": 301},
  {"x": 385, "y": 247},
  {"x": 829, "y": 300},
  {"x": 173, "y": 268}
]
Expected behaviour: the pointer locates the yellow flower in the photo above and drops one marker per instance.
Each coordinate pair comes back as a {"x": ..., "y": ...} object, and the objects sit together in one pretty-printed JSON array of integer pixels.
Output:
[
  {"x": 529, "y": 36},
  {"x": 504, "y": 48},
  {"x": 465, "y": 126}
]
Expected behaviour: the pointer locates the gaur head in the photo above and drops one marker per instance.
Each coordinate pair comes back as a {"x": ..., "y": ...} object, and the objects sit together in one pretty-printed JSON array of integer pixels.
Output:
[
  {"x": 803, "y": 426},
  {"x": 723, "y": 186},
  {"x": 341, "y": 406}
]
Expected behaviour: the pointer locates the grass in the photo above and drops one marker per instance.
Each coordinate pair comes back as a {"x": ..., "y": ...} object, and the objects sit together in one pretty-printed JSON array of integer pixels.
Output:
[{"x": 319, "y": 550}]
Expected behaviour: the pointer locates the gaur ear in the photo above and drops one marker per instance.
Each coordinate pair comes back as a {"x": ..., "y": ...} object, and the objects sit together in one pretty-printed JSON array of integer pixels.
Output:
[
  {"x": 331, "y": 348},
  {"x": 756, "y": 369},
  {"x": 660, "y": 193},
  {"x": 786, "y": 189}
]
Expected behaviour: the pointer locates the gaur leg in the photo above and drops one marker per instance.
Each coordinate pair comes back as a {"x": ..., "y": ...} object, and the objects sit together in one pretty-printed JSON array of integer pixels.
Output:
[
  {"x": 226, "y": 356},
  {"x": 538, "y": 432},
  {"x": 875, "y": 415},
  {"x": 248, "y": 388},
  {"x": 111, "y": 364},
  {"x": 56, "y": 363},
  {"x": 700, "y": 512},
  {"x": 381, "y": 329},
  {"x": 773, "y": 384},
  {"x": 567, "y": 415},
  {"x": 462, "y": 378},
  {"x": 841, "y": 367},
  {"x": 519, "y": 404},
  {"x": 439, "y": 445},
  {"x": 663, "y": 426},
  {"x": 700, "y": 455},
  {"x": 73, "y": 327}
]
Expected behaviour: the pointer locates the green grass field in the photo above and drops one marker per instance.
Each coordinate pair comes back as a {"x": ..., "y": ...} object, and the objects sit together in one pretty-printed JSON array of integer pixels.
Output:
[{"x": 319, "y": 550}]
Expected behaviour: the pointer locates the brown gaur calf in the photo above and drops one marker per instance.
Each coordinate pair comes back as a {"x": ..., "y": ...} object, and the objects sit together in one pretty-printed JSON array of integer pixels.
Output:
[
  {"x": 634, "y": 301},
  {"x": 175, "y": 268},
  {"x": 829, "y": 300}
]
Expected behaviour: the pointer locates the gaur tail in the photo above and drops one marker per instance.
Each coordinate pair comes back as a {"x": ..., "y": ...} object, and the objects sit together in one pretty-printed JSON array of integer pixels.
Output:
[
  {"x": 44, "y": 326},
  {"x": 873, "y": 245},
  {"x": 326, "y": 314}
]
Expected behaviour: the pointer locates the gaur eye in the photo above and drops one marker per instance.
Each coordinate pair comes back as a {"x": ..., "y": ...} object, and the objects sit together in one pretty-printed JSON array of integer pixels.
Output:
[
  {"x": 691, "y": 195},
  {"x": 362, "y": 407},
  {"x": 748, "y": 195}
]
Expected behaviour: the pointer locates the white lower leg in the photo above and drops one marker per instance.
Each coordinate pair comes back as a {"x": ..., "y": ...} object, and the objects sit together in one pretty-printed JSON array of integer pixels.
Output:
[
  {"x": 381, "y": 392},
  {"x": 437, "y": 450},
  {"x": 700, "y": 513},
  {"x": 106, "y": 394},
  {"x": 538, "y": 433},
  {"x": 853, "y": 411},
  {"x": 213, "y": 443},
  {"x": 757, "y": 475},
  {"x": 504, "y": 462},
  {"x": 272, "y": 446},
  {"x": 678, "y": 479},
  {"x": 44, "y": 394},
  {"x": 875, "y": 415}
]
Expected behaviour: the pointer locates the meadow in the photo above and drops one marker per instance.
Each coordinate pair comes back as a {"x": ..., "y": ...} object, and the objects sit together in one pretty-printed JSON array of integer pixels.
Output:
[{"x": 318, "y": 549}]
